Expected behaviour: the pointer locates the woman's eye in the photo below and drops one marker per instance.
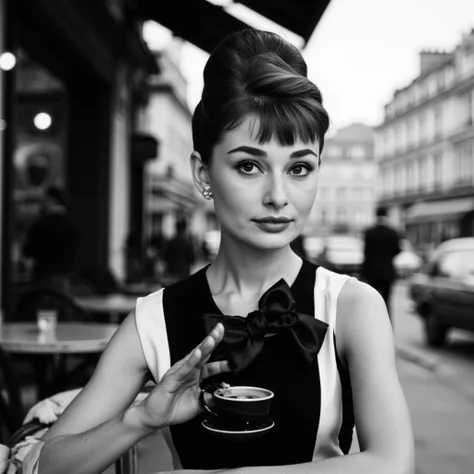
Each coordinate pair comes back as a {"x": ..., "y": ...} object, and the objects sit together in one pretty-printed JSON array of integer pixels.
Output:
[
  {"x": 300, "y": 170},
  {"x": 247, "y": 167}
]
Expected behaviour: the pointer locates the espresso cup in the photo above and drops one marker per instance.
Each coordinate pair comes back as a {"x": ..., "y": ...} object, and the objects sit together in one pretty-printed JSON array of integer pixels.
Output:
[{"x": 239, "y": 402}]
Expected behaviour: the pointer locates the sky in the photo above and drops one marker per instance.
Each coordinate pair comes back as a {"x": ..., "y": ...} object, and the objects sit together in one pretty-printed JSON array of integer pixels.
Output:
[{"x": 363, "y": 50}]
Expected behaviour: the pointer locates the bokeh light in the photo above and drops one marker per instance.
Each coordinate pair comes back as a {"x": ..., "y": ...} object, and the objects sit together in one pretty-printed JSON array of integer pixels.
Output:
[
  {"x": 7, "y": 61},
  {"x": 42, "y": 121}
]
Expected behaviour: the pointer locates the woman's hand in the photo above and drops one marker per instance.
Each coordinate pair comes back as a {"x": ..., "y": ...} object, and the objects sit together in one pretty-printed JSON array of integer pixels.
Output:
[{"x": 175, "y": 399}]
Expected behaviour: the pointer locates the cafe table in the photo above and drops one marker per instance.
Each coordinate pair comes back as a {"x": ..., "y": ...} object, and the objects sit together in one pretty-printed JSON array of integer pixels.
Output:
[
  {"x": 67, "y": 338},
  {"x": 48, "y": 348},
  {"x": 116, "y": 305},
  {"x": 141, "y": 288}
]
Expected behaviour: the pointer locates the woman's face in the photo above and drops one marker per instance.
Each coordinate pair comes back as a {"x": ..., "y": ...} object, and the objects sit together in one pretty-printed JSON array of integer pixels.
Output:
[{"x": 263, "y": 194}]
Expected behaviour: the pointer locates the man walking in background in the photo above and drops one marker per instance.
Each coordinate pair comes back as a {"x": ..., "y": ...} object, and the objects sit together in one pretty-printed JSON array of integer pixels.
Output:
[{"x": 382, "y": 244}]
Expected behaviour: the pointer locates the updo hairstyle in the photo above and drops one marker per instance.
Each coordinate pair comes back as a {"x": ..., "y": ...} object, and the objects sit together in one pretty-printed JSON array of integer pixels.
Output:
[{"x": 258, "y": 73}]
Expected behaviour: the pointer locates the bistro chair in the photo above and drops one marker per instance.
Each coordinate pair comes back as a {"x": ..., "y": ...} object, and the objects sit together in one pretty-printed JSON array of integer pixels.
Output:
[
  {"x": 11, "y": 406},
  {"x": 35, "y": 426},
  {"x": 79, "y": 286},
  {"x": 126, "y": 464}
]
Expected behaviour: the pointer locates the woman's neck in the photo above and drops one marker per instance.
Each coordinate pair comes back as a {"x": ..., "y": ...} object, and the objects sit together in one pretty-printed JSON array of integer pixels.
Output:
[{"x": 244, "y": 270}]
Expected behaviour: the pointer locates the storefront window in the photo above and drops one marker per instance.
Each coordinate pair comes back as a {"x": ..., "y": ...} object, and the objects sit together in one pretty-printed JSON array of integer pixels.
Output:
[{"x": 39, "y": 111}]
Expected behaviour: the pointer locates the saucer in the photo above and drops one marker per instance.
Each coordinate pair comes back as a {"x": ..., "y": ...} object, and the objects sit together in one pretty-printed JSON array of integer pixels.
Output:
[{"x": 220, "y": 427}]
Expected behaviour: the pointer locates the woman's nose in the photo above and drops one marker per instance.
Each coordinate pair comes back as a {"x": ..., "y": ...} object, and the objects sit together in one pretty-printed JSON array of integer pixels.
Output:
[{"x": 275, "y": 196}]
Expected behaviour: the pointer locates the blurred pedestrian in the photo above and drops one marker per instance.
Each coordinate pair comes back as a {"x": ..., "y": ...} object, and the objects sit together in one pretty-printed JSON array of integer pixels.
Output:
[
  {"x": 381, "y": 245},
  {"x": 179, "y": 253},
  {"x": 52, "y": 241}
]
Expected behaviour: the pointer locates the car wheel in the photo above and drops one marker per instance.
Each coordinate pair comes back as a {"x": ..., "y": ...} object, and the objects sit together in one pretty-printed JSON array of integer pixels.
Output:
[{"x": 435, "y": 331}]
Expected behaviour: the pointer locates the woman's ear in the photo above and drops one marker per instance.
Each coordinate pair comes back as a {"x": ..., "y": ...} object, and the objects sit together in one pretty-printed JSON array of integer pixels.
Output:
[{"x": 199, "y": 171}]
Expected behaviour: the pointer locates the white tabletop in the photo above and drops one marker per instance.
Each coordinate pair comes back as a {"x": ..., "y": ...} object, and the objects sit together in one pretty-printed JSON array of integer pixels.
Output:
[{"x": 68, "y": 338}]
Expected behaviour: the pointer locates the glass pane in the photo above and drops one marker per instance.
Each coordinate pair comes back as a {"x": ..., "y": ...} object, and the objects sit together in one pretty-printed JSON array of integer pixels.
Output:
[{"x": 39, "y": 142}]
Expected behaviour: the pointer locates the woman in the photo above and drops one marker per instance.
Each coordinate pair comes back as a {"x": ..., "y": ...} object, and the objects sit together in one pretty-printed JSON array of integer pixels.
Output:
[{"x": 321, "y": 341}]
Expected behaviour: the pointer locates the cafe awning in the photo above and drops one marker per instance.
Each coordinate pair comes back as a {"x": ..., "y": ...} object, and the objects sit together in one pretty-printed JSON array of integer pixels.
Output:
[
  {"x": 205, "y": 24},
  {"x": 297, "y": 16},
  {"x": 171, "y": 193},
  {"x": 439, "y": 210}
]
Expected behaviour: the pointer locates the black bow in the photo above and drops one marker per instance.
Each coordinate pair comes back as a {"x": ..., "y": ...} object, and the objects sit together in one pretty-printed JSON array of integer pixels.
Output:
[{"x": 244, "y": 337}]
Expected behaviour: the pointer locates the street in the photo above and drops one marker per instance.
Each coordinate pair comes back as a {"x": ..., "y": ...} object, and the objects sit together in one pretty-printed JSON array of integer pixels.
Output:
[{"x": 439, "y": 388}]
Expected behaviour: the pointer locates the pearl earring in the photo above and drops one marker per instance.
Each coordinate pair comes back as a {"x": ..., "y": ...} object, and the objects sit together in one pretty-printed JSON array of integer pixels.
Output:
[{"x": 207, "y": 193}]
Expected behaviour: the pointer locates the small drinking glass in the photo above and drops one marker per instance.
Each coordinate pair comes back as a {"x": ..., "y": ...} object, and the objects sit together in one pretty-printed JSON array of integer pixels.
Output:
[{"x": 47, "y": 320}]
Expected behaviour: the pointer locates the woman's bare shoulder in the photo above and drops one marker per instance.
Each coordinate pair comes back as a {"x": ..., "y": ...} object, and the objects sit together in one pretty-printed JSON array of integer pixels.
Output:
[{"x": 362, "y": 317}]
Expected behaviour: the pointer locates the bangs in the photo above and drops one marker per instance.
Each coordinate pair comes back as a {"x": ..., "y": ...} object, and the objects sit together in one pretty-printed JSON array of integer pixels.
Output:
[{"x": 286, "y": 121}]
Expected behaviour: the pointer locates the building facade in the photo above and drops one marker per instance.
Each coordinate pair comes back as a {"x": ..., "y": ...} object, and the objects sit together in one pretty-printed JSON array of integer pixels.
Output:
[
  {"x": 425, "y": 149},
  {"x": 170, "y": 193},
  {"x": 347, "y": 183}
]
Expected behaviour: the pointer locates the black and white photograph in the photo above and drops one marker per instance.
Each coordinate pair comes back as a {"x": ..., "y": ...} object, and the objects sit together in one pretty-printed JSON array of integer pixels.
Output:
[{"x": 236, "y": 236}]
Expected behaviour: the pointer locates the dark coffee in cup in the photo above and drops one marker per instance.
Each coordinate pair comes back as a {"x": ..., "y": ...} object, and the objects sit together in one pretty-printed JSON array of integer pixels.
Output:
[
  {"x": 241, "y": 403},
  {"x": 241, "y": 397}
]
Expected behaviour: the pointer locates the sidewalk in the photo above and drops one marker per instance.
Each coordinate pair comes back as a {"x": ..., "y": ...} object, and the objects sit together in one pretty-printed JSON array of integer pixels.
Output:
[
  {"x": 439, "y": 398},
  {"x": 443, "y": 422}
]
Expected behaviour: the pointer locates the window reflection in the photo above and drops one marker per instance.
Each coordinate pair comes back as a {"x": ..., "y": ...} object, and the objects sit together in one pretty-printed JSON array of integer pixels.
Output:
[{"x": 39, "y": 110}]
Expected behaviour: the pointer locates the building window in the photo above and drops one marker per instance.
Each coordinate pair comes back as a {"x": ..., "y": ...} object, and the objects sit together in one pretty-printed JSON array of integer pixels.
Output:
[
  {"x": 359, "y": 194},
  {"x": 399, "y": 142},
  {"x": 388, "y": 143},
  {"x": 410, "y": 133},
  {"x": 358, "y": 153},
  {"x": 464, "y": 163},
  {"x": 422, "y": 128},
  {"x": 341, "y": 194},
  {"x": 441, "y": 81},
  {"x": 423, "y": 173},
  {"x": 438, "y": 122},
  {"x": 469, "y": 108},
  {"x": 410, "y": 172},
  {"x": 437, "y": 170},
  {"x": 341, "y": 215}
]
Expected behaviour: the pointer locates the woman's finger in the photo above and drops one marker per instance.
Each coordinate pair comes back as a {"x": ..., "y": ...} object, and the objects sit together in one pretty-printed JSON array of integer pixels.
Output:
[
  {"x": 199, "y": 355},
  {"x": 214, "y": 368},
  {"x": 211, "y": 342},
  {"x": 203, "y": 362}
]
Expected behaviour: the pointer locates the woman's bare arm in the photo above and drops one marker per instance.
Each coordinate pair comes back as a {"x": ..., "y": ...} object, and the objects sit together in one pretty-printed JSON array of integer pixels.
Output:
[
  {"x": 80, "y": 441},
  {"x": 100, "y": 425},
  {"x": 365, "y": 343}
]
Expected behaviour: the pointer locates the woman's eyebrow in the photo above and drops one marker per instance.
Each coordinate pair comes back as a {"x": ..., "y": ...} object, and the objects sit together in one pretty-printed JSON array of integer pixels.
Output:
[
  {"x": 304, "y": 152},
  {"x": 250, "y": 150}
]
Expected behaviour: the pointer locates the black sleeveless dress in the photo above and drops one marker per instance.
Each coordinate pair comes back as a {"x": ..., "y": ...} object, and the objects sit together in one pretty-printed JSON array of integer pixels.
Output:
[{"x": 296, "y": 404}]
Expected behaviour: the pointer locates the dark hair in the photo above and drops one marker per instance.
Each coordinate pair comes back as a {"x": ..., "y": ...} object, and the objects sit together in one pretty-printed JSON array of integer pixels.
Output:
[
  {"x": 58, "y": 194},
  {"x": 381, "y": 211},
  {"x": 258, "y": 73}
]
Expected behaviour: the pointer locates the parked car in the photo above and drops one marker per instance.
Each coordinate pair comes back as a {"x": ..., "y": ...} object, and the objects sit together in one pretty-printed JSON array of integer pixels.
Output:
[
  {"x": 443, "y": 292},
  {"x": 407, "y": 261},
  {"x": 340, "y": 253}
]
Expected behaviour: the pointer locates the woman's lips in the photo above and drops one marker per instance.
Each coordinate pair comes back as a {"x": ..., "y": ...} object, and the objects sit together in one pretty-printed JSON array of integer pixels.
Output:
[{"x": 273, "y": 226}]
